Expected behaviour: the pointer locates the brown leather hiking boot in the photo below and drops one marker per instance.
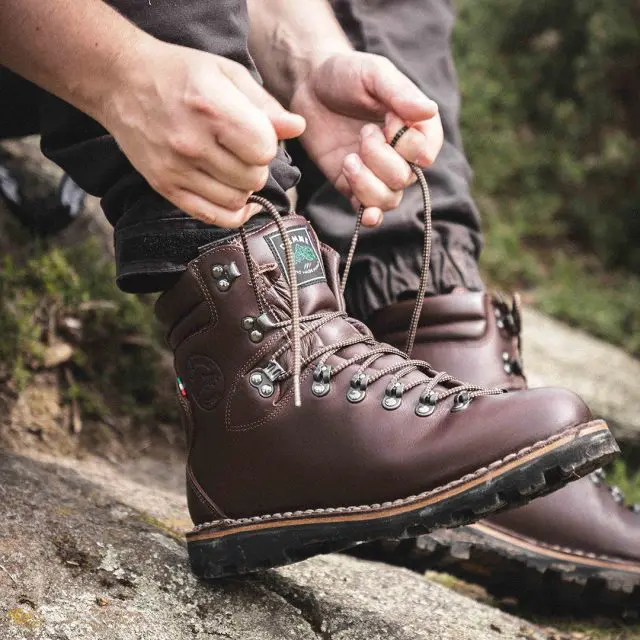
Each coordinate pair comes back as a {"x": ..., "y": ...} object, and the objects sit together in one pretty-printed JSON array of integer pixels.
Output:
[
  {"x": 381, "y": 446},
  {"x": 582, "y": 533}
]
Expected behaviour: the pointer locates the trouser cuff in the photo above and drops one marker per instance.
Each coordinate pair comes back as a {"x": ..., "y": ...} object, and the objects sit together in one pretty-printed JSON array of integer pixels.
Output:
[{"x": 380, "y": 280}]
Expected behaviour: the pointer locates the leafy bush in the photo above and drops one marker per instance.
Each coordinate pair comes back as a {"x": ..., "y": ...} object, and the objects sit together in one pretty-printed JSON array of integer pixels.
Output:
[{"x": 551, "y": 97}]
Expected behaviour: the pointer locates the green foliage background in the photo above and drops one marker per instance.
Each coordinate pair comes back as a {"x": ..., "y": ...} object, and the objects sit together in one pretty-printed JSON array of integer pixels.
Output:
[{"x": 551, "y": 122}]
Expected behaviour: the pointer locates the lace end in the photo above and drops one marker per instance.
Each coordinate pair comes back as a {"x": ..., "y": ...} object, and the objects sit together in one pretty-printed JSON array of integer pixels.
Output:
[{"x": 296, "y": 390}]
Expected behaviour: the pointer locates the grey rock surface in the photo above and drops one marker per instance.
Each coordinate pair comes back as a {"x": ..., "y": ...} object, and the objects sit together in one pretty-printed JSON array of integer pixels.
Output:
[
  {"x": 42, "y": 178},
  {"x": 605, "y": 376},
  {"x": 77, "y": 563}
]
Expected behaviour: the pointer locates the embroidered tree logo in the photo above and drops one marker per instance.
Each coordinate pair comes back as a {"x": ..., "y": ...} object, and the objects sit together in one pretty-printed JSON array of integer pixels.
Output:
[{"x": 302, "y": 253}]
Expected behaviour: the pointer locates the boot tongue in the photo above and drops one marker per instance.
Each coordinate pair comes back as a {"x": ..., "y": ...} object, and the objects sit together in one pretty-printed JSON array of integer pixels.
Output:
[{"x": 316, "y": 276}]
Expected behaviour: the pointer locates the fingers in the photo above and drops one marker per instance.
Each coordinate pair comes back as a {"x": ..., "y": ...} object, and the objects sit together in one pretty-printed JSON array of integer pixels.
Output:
[
  {"x": 217, "y": 162},
  {"x": 385, "y": 162},
  {"x": 420, "y": 144},
  {"x": 213, "y": 191},
  {"x": 202, "y": 209},
  {"x": 287, "y": 125},
  {"x": 238, "y": 125},
  {"x": 190, "y": 152},
  {"x": 372, "y": 217},
  {"x": 387, "y": 84},
  {"x": 366, "y": 187}
]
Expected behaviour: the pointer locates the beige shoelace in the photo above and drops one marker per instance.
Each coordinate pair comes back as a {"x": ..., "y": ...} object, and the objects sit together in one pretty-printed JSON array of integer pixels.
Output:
[{"x": 360, "y": 381}]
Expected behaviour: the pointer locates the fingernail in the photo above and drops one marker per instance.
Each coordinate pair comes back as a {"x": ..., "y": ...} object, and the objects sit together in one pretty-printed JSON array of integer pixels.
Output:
[
  {"x": 352, "y": 164},
  {"x": 427, "y": 103}
]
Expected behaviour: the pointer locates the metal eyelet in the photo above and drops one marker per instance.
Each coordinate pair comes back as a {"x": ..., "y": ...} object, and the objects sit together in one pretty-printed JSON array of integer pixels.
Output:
[
  {"x": 321, "y": 380},
  {"x": 248, "y": 323},
  {"x": 393, "y": 396},
  {"x": 427, "y": 404},
  {"x": 224, "y": 275},
  {"x": 257, "y": 327},
  {"x": 617, "y": 495},
  {"x": 461, "y": 401},
  {"x": 264, "y": 379},
  {"x": 265, "y": 322},
  {"x": 512, "y": 366},
  {"x": 358, "y": 388}
]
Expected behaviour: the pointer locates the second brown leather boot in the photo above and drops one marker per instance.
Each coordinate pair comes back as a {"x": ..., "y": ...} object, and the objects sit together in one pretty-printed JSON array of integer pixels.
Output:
[
  {"x": 580, "y": 543},
  {"x": 381, "y": 446}
]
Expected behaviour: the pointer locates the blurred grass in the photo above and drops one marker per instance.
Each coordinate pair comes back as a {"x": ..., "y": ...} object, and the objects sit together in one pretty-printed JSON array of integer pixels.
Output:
[{"x": 620, "y": 475}]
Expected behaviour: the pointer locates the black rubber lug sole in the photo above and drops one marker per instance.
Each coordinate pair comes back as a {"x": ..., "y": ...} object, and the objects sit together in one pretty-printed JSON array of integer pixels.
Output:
[
  {"x": 251, "y": 549},
  {"x": 507, "y": 568}
]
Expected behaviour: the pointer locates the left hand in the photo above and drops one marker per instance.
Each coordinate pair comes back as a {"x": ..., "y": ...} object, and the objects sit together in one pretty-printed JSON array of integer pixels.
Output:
[{"x": 354, "y": 104}]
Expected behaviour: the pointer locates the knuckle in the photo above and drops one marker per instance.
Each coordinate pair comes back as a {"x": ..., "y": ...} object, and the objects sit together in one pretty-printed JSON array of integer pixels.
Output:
[
  {"x": 235, "y": 70},
  {"x": 368, "y": 147},
  {"x": 398, "y": 181},
  {"x": 184, "y": 145},
  {"x": 229, "y": 220},
  {"x": 160, "y": 184},
  {"x": 259, "y": 180},
  {"x": 236, "y": 200},
  {"x": 392, "y": 200},
  {"x": 359, "y": 184},
  {"x": 425, "y": 157},
  {"x": 264, "y": 152}
]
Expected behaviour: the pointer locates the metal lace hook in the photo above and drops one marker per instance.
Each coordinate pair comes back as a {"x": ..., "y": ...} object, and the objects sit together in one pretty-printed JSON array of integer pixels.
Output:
[{"x": 292, "y": 277}]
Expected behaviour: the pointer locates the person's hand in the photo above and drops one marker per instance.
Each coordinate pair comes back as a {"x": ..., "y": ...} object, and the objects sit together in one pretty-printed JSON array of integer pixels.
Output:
[
  {"x": 200, "y": 130},
  {"x": 354, "y": 104}
]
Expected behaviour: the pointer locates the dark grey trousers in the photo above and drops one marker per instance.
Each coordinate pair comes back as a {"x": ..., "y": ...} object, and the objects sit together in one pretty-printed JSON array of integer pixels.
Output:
[{"x": 154, "y": 240}]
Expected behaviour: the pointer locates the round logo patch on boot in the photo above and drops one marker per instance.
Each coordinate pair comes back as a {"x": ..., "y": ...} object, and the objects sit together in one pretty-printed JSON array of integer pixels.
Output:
[{"x": 205, "y": 381}]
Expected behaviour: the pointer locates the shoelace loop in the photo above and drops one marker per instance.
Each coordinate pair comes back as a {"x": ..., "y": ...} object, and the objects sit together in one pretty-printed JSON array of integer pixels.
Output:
[{"x": 323, "y": 373}]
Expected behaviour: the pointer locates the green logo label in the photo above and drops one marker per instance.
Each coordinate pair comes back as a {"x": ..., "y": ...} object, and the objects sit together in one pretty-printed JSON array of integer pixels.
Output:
[{"x": 306, "y": 256}]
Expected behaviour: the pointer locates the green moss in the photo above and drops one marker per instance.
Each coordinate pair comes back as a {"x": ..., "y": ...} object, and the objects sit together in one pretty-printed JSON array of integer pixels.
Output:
[
  {"x": 158, "y": 524},
  {"x": 23, "y": 618},
  {"x": 628, "y": 481},
  {"x": 117, "y": 350}
]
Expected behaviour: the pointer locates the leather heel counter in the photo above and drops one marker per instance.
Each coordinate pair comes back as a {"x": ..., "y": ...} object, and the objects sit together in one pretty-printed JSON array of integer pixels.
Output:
[{"x": 201, "y": 507}]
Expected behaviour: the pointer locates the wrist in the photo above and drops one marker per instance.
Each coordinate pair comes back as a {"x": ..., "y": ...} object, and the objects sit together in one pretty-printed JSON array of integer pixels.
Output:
[{"x": 126, "y": 72}]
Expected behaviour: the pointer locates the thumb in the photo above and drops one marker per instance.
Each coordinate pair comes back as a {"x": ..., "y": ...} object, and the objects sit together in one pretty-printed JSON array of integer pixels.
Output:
[
  {"x": 286, "y": 124},
  {"x": 387, "y": 84}
]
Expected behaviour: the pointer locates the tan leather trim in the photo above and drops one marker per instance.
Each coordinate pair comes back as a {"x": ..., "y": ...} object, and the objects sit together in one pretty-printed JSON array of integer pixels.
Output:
[
  {"x": 559, "y": 553},
  {"x": 369, "y": 512}
]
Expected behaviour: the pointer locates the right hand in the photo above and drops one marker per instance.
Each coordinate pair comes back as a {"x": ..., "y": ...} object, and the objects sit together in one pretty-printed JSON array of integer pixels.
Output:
[{"x": 200, "y": 130}]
